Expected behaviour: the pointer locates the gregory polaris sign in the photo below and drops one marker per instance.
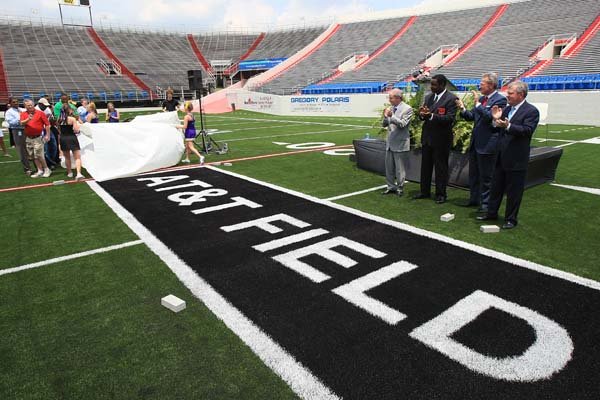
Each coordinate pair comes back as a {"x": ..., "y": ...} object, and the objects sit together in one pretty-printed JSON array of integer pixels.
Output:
[
  {"x": 373, "y": 308},
  {"x": 320, "y": 104}
]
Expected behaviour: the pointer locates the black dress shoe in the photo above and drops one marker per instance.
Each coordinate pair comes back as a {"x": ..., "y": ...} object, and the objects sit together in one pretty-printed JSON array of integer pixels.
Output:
[
  {"x": 388, "y": 191},
  {"x": 440, "y": 199},
  {"x": 486, "y": 217},
  {"x": 482, "y": 210},
  {"x": 509, "y": 225},
  {"x": 421, "y": 196},
  {"x": 469, "y": 204}
]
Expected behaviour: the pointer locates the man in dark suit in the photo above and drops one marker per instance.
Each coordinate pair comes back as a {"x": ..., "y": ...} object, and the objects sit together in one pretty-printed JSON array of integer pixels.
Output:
[
  {"x": 516, "y": 124},
  {"x": 484, "y": 140},
  {"x": 438, "y": 113}
]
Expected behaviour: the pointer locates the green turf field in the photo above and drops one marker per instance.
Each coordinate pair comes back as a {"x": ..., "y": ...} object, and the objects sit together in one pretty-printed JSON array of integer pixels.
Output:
[{"x": 93, "y": 327}]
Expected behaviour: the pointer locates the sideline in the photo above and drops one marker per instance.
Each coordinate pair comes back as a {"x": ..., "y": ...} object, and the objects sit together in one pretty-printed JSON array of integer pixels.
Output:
[
  {"x": 578, "y": 188},
  {"x": 291, "y": 134},
  {"x": 297, "y": 122},
  {"x": 70, "y": 257},
  {"x": 343, "y": 196},
  {"x": 183, "y": 167}
]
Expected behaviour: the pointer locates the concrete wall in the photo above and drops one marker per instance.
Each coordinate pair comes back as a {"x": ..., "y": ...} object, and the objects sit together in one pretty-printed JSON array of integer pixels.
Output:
[{"x": 571, "y": 108}]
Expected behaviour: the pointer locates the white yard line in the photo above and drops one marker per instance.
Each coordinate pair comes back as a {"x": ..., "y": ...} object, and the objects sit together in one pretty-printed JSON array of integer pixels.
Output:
[
  {"x": 343, "y": 196},
  {"x": 579, "y": 188},
  {"x": 8, "y": 162},
  {"x": 575, "y": 129},
  {"x": 225, "y": 122},
  {"x": 556, "y": 140},
  {"x": 298, "y": 122},
  {"x": 567, "y": 144},
  {"x": 288, "y": 134},
  {"x": 70, "y": 257},
  {"x": 262, "y": 127}
]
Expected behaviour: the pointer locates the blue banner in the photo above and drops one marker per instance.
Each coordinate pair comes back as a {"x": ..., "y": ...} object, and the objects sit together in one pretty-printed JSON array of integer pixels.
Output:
[{"x": 260, "y": 64}]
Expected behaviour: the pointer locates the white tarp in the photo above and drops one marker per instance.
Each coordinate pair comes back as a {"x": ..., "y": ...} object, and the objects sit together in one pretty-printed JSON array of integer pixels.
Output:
[{"x": 148, "y": 142}]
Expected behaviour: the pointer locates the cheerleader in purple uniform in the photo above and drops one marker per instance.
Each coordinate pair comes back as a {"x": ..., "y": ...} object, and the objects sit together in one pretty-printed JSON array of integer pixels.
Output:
[
  {"x": 112, "y": 115},
  {"x": 189, "y": 130}
]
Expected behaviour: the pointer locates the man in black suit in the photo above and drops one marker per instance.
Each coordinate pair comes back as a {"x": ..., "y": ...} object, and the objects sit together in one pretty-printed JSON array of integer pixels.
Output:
[
  {"x": 438, "y": 113},
  {"x": 484, "y": 140},
  {"x": 516, "y": 124}
]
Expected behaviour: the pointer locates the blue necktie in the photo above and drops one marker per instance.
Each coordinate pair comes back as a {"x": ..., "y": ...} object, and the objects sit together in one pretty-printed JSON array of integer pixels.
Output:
[
  {"x": 395, "y": 108},
  {"x": 511, "y": 112}
]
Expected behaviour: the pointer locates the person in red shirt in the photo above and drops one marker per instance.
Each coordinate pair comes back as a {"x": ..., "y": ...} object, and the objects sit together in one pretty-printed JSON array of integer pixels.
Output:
[{"x": 36, "y": 123}]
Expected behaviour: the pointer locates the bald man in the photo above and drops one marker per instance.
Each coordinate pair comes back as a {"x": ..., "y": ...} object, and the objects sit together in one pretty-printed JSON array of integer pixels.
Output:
[{"x": 396, "y": 119}]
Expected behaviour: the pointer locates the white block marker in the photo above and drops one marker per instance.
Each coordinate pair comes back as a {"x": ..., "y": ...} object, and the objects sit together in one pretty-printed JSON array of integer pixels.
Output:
[
  {"x": 447, "y": 217},
  {"x": 173, "y": 303},
  {"x": 56, "y": 183},
  {"x": 227, "y": 164},
  {"x": 489, "y": 228}
]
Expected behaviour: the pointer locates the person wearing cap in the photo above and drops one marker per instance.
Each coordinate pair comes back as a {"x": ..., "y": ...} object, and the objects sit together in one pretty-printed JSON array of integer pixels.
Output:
[{"x": 50, "y": 146}]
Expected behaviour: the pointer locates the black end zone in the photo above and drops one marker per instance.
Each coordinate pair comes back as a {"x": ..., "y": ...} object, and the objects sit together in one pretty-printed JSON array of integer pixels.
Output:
[{"x": 374, "y": 311}]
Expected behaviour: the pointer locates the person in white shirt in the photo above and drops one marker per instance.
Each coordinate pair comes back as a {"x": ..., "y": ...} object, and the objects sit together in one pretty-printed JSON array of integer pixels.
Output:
[
  {"x": 2, "y": 145},
  {"x": 82, "y": 110},
  {"x": 13, "y": 117}
]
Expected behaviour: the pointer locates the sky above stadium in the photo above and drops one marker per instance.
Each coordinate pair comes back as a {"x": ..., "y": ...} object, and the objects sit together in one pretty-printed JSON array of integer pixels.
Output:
[{"x": 232, "y": 14}]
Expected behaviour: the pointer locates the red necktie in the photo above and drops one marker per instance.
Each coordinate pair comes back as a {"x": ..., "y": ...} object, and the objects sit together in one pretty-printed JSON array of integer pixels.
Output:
[{"x": 484, "y": 101}]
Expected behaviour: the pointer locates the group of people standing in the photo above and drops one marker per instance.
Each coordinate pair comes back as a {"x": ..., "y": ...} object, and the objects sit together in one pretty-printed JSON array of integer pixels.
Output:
[
  {"x": 498, "y": 150},
  {"x": 45, "y": 135}
]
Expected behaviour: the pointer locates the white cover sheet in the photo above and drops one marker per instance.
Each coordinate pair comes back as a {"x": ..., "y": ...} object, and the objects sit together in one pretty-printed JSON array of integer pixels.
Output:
[{"x": 110, "y": 151}]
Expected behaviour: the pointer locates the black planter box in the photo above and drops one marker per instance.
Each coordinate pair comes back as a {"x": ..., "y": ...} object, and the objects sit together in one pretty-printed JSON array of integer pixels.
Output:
[{"x": 370, "y": 156}]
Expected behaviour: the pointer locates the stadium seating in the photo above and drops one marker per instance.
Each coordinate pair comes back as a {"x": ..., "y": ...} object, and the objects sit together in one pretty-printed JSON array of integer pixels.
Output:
[
  {"x": 282, "y": 44},
  {"x": 158, "y": 59},
  {"x": 349, "y": 39},
  {"x": 409, "y": 50},
  {"x": 45, "y": 58},
  {"x": 506, "y": 48},
  {"x": 586, "y": 60},
  {"x": 406, "y": 86},
  {"x": 224, "y": 46},
  {"x": 49, "y": 58},
  {"x": 564, "y": 82}
]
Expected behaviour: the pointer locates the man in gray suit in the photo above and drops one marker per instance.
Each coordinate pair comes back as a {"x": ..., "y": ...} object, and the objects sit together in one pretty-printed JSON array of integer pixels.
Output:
[{"x": 397, "y": 119}]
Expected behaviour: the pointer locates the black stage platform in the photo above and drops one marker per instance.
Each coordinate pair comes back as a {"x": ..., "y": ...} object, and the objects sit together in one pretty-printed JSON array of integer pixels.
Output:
[{"x": 370, "y": 156}]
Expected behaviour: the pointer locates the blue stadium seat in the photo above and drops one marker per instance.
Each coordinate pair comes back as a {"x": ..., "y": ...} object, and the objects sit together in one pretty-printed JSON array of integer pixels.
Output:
[
  {"x": 345, "y": 88},
  {"x": 144, "y": 94},
  {"x": 118, "y": 96},
  {"x": 75, "y": 96},
  {"x": 103, "y": 96},
  {"x": 131, "y": 95},
  {"x": 57, "y": 97},
  {"x": 90, "y": 96},
  {"x": 27, "y": 96}
]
